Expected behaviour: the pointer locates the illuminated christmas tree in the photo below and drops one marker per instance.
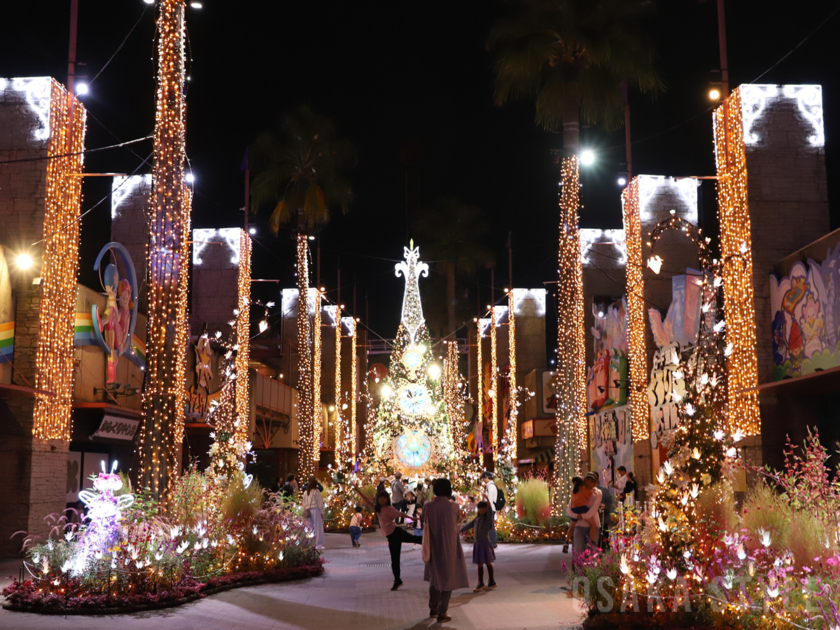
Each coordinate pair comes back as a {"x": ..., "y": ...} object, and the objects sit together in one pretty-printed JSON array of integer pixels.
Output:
[{"x": 411, "y": 429}]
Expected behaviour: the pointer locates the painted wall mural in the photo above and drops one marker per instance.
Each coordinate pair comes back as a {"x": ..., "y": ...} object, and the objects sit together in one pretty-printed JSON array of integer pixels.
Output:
[
  {"x": 674, "y": 336},
  {"x": 806, "y": 317},
  {"x": 606, "y": 388}
]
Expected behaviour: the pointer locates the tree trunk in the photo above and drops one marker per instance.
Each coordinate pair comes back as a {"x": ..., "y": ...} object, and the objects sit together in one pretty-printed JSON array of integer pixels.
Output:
[
  {"x": 450, "y": 295},
  {"x": 571, "y": 119}
]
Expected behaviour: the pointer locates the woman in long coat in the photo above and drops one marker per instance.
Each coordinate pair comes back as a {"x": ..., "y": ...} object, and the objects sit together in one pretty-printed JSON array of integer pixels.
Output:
[{"x": 446, "y": 569}]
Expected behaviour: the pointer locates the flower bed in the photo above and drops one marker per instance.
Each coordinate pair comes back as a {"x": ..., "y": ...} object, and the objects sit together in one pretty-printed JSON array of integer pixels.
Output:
[
  {"x": 36, "y": 596},
  {"x": 136, "y": 551}
]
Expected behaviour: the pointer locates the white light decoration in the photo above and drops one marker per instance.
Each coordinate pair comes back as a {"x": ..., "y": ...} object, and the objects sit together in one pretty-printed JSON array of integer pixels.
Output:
[
  {"x": 809, "y": 100},
  {"x": 755, "y": 100},
  {"x": 123, "y": 187},
  {"x": 522, "y": 296},
  {"x": 685, "y": 187},
  {"x": 37, "y": 92},
  {"x": 588, "y": 237},
  {"x": 203, "y": 237},
  {"x": 412, "y": 269}
]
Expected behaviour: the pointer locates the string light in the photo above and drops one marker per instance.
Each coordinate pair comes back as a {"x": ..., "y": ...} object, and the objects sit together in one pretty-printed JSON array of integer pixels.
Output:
[
  {"x": 570, "y": 375},
  {"x": 305, "y": 393},
  {"x": 317, "y": 413},
  {"x": 453, "y": 397},
  {"x": 353, "y": 391},
  {"x": 636, "y": 351},
  {"x": 56, "y": 320},
  {"x": 243, "y": 341},
  {"x": 494, "y": 383},
  {"x": 735, "y": 231},
  {"x": 339, "y": 418},
  {"x": 511, "y": 427},
  {"x": 168, "y": 249},
  {"x": 479, "y": 411}
]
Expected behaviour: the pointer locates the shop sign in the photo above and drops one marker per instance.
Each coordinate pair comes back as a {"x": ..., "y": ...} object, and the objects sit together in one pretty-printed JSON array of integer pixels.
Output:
[{"x": 115, "y": 428}]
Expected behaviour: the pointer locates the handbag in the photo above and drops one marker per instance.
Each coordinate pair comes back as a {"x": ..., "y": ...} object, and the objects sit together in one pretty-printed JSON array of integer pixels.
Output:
[{"x": 306, "y": 513}]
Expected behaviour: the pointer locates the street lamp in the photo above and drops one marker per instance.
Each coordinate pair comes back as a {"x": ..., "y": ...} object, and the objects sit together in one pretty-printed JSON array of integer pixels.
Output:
[
  {"x": 23, "y": 261},
  {"x": 714, "y": 94},
  {"x": 622, "y": 181},
  {"x": 587, "y": 157}
]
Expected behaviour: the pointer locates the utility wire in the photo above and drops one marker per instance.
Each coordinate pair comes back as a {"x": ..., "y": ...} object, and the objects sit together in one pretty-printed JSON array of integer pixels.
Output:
[
  {"x": 120, "y": 47},
  {"x": 85, "y": 152}
]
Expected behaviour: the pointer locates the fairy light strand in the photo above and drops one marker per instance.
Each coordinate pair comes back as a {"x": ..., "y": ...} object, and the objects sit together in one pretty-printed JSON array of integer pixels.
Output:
[
  {"x": 243, "y": 341},
  {"x": 736, "y": 241},
  {"x": 636, "y": 351},
  {"x": 570, "y": 375},
  {"x": 56, "y": 320},
  {"x": 512, "y": 425},
  {"x": 479, "y": 397},
  {"x": 305, "y": 393},
  {"x": 317, "y": 413},
  {"x": 339, "y": 417},
  {"x": 353, "y": 392},
  {"x": 167, "y": 260},
  {"x": 494, "y": 382}
]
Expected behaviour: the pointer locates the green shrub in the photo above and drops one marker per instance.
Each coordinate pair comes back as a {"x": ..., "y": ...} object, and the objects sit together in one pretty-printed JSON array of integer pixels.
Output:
[{"x": 532, "y": 502}]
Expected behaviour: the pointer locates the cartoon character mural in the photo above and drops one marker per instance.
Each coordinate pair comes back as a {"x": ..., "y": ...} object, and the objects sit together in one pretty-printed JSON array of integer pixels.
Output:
[
  {"x": 673, "y": 337},
  {"x": 114, "y": 328},
  {"x": 806, "y": 317}
]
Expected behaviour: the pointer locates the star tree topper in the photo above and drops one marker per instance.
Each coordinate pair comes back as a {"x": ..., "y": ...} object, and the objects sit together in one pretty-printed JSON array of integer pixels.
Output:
[{"x": 412, "y": 269}]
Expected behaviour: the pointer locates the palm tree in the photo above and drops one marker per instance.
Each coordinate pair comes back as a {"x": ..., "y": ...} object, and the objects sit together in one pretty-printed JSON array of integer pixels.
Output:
[
  {"x": 301, "y": 170},
  {"x": 571, "y": 56},
  {"x": 452, "y": 234}
]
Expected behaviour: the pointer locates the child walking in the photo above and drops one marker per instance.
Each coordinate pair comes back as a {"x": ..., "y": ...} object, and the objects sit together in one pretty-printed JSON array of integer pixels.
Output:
[
  {"x": 418, "y": 523},
  {"x": 578, "y": 505},
  {"x": 356, "y": 527},
  {"x": 482, "y": 547}
]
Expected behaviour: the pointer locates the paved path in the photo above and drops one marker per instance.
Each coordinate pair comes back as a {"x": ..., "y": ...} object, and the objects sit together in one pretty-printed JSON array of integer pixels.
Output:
[{"x": 352, "y": 595}]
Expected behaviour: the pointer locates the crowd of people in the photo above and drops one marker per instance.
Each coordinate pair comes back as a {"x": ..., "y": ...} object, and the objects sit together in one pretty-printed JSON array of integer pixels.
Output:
[
  {"x": 426, "y": 513},
  {"x": 435, "y": 520}
]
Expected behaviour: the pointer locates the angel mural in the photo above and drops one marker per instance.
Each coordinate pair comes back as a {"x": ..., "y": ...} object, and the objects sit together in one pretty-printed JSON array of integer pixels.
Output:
[{"x": 114, "y": 327}]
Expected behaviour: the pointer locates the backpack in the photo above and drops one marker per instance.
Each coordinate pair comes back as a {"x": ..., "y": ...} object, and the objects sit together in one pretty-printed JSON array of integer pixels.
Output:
[{"x": 499, "y": 503}]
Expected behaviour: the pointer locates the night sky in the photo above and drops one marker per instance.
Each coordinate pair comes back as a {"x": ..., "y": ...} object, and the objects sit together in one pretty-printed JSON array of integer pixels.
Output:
[{"x": 390, "y": 73}]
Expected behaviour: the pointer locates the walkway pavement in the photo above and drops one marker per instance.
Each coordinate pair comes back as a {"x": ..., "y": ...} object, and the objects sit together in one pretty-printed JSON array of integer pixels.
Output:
[{"x": 354, "y": 594}]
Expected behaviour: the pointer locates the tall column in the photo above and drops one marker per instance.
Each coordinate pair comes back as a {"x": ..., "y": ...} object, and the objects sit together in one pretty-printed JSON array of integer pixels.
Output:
[
  {"x": 570, "y": 376},
  {"x": 167, "y": 335}
]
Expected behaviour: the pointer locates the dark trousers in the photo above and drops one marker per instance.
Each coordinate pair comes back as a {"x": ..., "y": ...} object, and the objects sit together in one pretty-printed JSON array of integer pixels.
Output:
[
  {"x": 395, "y": 542},
  {"x": 355, "y": 534},
  {"x": 400, "y": 505},
  {"x": 438, "y": 601}
]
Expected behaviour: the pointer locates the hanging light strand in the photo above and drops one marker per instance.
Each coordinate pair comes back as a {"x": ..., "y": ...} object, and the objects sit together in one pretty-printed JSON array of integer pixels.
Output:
[
  {"x": 317, "y": 408},
  {"x": 339, "y": 417},
  {"x": 512, "y": 425},
  {"x": 636, "y": 352},
  {"x": 56, "y": 320},
  {"x": 353, "y": 391},
  {"x": 736, "y": 245},
  {"x": 243, "y": 341},
  {"x": 305, "y": 393},
  {"x": 570, "y": 375},
  {"x": 494, "y": 382},
  {"x": 167, "y": 255}
]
